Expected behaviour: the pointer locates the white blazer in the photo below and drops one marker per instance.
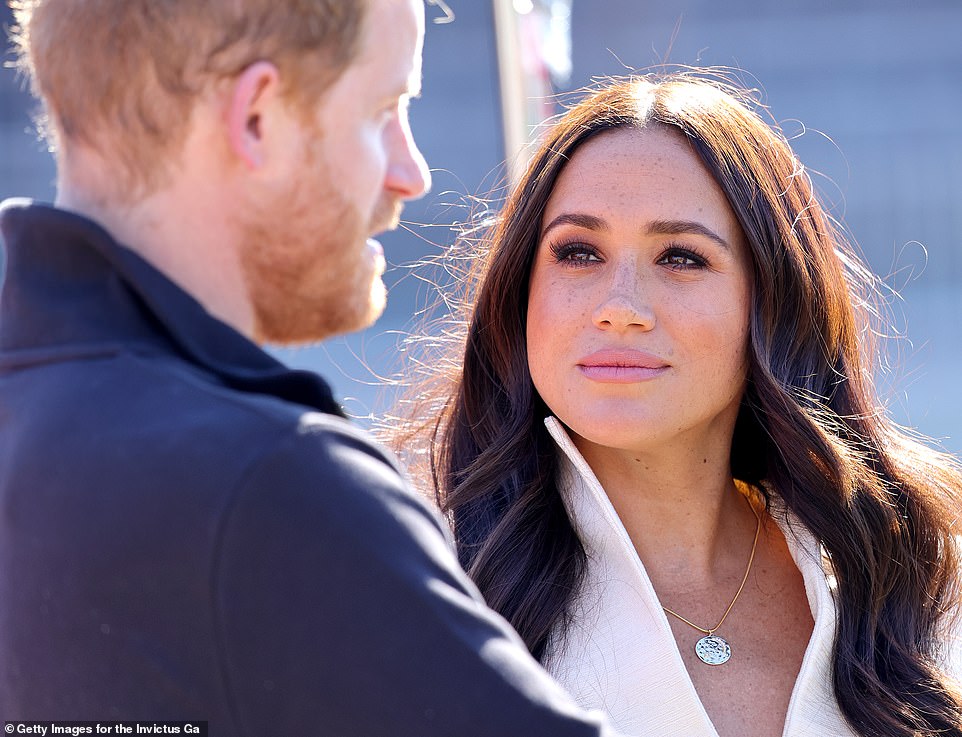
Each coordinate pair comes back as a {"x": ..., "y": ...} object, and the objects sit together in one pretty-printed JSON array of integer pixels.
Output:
[{"x": 617, "y": 617}]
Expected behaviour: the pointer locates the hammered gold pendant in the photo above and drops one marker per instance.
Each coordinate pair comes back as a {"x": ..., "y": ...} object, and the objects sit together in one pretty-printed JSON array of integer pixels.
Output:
[{"x": 713, "y": 650}]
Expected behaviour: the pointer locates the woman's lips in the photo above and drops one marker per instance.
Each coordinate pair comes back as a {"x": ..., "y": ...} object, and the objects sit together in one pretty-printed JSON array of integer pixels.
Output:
[{"x": 621, "y": 366}]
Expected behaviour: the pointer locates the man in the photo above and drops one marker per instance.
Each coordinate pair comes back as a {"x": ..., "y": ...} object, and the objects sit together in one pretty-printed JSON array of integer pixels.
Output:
[{"x": 190, "y": 531}]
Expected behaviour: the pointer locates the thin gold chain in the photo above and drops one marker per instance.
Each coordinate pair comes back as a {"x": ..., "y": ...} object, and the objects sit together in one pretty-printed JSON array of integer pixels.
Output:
[{"x": 751, "y": 559}]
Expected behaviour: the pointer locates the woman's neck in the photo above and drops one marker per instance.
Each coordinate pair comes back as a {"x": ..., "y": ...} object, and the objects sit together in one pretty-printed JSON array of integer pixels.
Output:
[{"x": 680, "y": 508}]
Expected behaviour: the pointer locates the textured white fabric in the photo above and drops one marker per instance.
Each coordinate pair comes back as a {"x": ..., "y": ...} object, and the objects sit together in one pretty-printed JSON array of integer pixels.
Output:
[{"x": 620, "y": 656}]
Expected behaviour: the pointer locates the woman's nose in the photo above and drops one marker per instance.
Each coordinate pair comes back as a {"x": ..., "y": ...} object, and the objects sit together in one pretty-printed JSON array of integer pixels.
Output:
[{"x": 626, "y": 304}]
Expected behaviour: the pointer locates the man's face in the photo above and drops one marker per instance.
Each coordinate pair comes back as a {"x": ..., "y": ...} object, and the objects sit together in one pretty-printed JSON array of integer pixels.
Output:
[{"x": 311, "y": 267}]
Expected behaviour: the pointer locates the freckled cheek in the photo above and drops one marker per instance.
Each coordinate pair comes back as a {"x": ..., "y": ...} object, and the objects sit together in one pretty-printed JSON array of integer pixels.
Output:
[
  {"x": 555, "y": 313},
  {"x": 555, "y": 319},
  {"x": 720, "y": 335},
  {"x": 536, "y": 330}
]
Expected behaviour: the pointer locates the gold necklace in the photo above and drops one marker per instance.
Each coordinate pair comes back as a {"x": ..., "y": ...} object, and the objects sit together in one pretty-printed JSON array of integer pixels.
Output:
[{"x": 712, "y": 649}]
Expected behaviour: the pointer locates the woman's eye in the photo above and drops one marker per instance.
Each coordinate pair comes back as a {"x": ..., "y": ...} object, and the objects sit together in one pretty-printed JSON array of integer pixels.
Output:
[
  {"x": 682, "y": 258},
  {"x": 574, "y": 254}
]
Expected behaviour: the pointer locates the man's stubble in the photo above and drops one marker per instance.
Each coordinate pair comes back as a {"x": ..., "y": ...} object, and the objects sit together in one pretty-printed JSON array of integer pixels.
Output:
[{"x": 308, "y": 270}]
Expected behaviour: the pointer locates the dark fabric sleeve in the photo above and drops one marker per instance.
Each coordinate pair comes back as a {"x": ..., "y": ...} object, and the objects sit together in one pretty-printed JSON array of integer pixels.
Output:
[{"x": 343, "y": 612}]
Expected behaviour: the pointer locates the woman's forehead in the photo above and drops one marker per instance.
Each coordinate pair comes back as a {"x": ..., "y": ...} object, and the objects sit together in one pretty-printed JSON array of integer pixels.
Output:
[{"x": 638, "y": 169}]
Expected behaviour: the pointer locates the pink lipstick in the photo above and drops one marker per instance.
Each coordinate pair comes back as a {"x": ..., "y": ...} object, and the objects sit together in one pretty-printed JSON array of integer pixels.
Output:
[{"x": 621, "y": 366}]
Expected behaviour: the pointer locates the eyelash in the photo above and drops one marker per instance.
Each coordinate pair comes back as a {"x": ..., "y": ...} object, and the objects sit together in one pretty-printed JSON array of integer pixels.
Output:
[{"x": 563, "y": 251}]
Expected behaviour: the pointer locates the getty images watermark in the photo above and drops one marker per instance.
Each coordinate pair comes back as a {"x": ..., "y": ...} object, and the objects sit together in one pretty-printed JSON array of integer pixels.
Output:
[{"x": 44, "y": 729}]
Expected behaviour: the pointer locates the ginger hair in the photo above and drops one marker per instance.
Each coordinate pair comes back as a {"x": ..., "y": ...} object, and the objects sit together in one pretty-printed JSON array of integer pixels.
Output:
[{"x": 122, "y": 76}]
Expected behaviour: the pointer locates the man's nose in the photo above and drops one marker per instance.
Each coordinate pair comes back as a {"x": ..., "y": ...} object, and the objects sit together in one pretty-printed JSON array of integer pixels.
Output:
[{"x": 407, "y": 172}]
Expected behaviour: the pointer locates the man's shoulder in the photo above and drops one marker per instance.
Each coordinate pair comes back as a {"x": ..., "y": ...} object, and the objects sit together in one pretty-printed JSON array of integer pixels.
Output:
[
  {"x": 265, "y": 429},
  {"x": 243, "y": 440},
  {"x": 169, "y": 423},
  {"x": 326, "y": 466},
  {"x": 153, "y": 391}
]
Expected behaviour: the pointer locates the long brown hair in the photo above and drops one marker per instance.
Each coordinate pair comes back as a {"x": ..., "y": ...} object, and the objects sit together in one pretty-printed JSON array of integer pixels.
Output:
[{"x": 810, "y": 425}]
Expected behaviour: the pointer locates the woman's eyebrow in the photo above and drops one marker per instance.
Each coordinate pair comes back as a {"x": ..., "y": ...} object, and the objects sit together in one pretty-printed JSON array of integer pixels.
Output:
[
  {"x": 683, "y": 227},
  {"x": 655, "y": 227},
  {"x": 581, "y": 220}
]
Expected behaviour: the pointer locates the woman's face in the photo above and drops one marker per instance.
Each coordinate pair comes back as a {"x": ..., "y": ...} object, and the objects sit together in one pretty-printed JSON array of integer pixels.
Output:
[{"x": 639, "y": 298}]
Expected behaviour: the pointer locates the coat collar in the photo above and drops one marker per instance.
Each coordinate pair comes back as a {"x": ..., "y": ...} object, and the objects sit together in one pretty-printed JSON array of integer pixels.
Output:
[
  {"x": 70, "y": 289},
  {"x": 618, "y": 617}
]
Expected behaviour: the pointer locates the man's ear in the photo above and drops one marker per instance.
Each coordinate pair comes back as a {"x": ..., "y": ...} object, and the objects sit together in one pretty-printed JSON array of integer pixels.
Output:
[{"x": 255, "y": 92}]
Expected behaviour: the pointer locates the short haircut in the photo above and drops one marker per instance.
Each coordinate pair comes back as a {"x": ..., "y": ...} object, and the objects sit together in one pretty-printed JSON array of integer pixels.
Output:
[{"x": 121, "y": 76}]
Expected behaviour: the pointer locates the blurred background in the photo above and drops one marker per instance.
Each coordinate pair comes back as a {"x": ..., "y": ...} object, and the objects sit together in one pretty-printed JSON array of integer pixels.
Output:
[{"x": 870, "y": 91}]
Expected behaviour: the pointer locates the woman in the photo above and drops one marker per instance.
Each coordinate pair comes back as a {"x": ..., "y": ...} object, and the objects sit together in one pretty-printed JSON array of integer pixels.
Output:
[{"x": 662, "y": 453}]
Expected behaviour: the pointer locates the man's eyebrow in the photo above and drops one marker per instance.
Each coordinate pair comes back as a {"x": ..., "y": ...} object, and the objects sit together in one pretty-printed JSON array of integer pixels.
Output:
[
  {"x": 684, "y": 227},
  {"x": 581, "y": 220}
]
